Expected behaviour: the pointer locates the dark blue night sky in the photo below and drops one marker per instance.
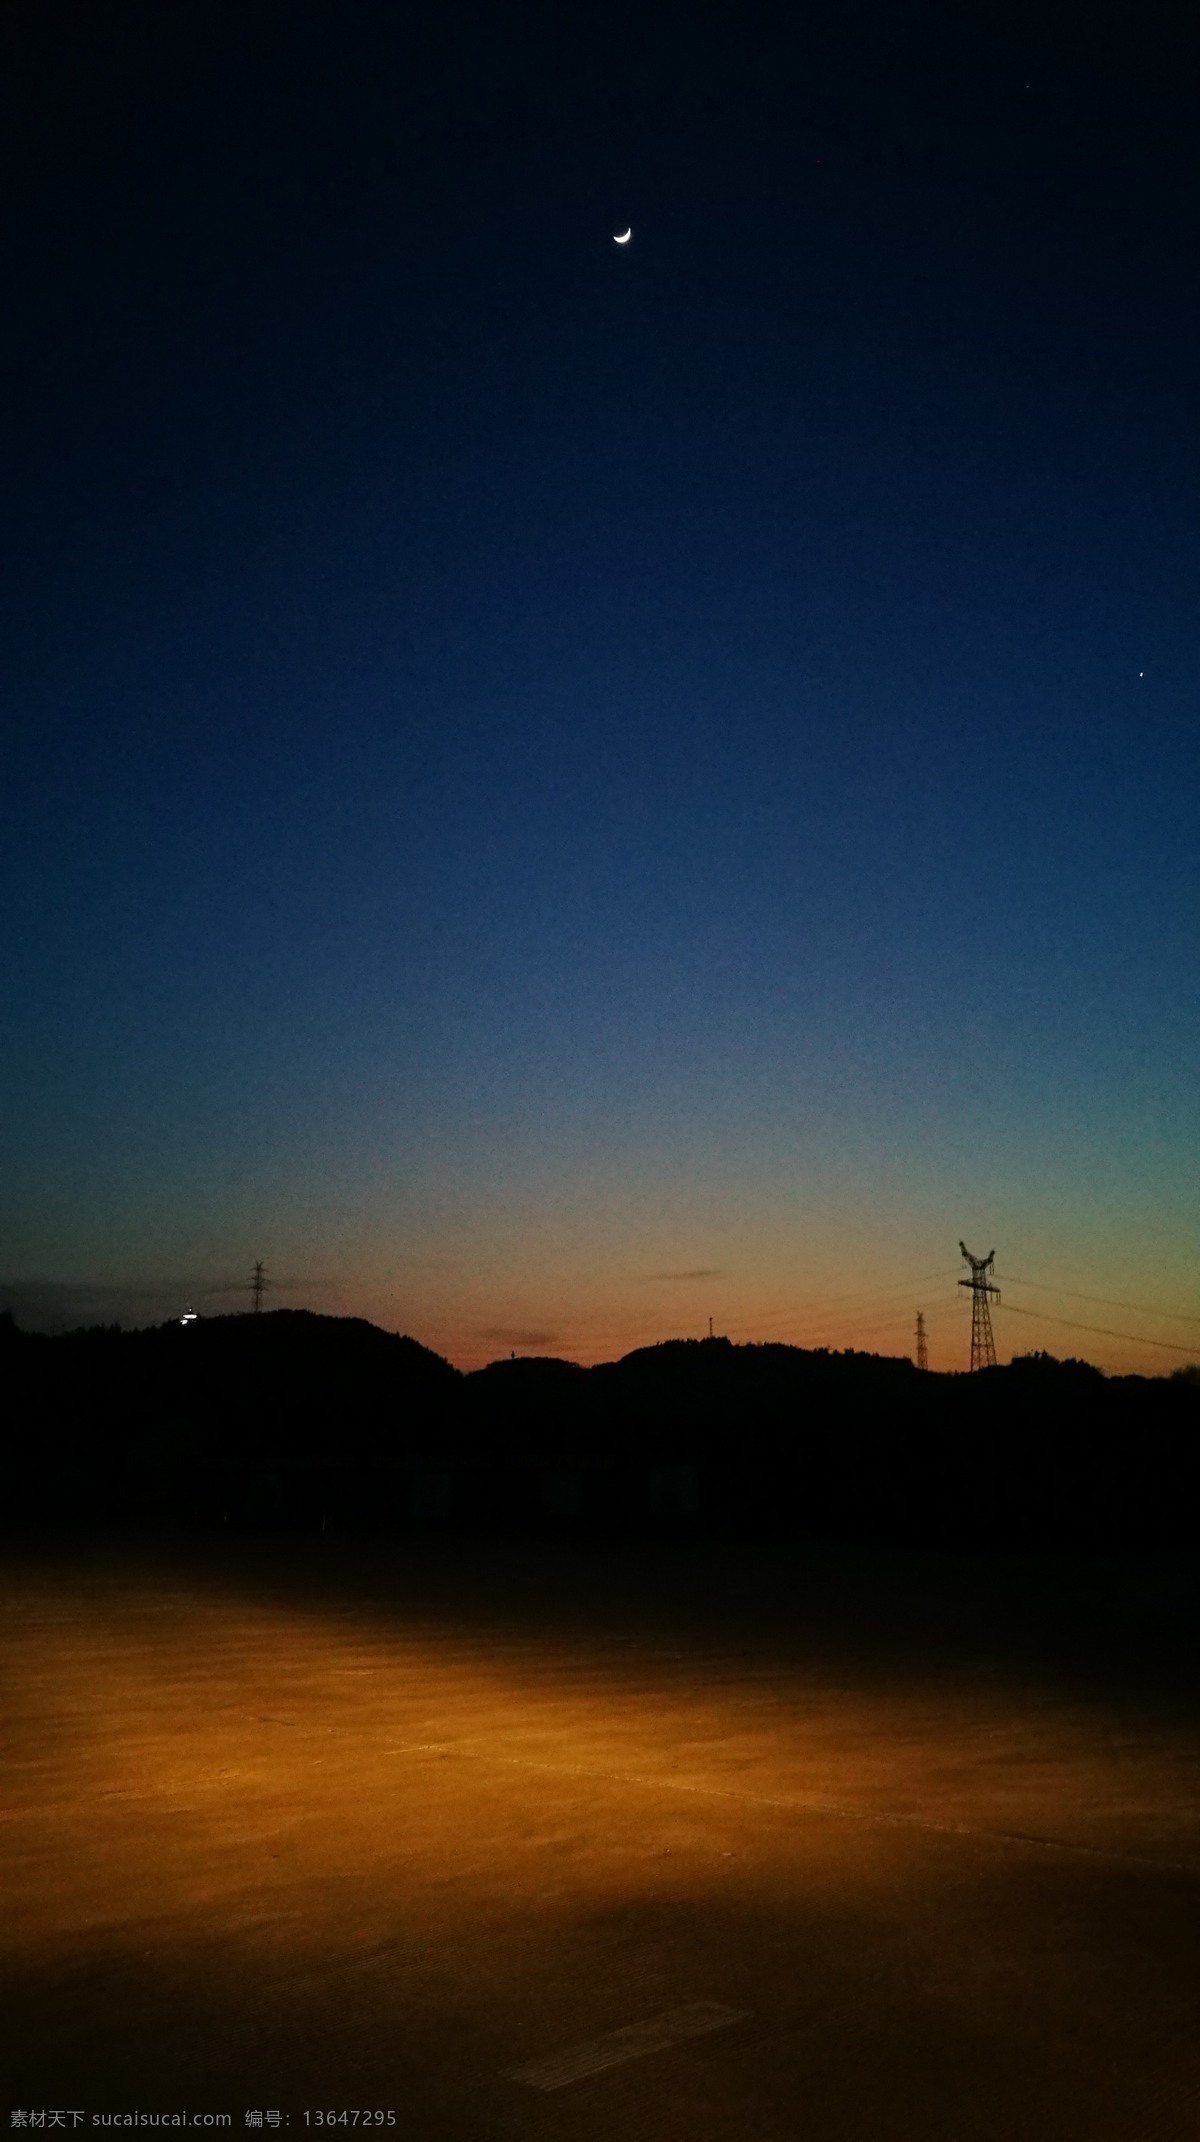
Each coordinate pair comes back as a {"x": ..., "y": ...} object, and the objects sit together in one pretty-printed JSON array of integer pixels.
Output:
[{"x": 553, "y": 790}]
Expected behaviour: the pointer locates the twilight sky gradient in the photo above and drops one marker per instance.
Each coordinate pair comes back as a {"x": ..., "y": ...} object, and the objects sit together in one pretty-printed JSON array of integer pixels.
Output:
[{"x": 554, "y": 790}]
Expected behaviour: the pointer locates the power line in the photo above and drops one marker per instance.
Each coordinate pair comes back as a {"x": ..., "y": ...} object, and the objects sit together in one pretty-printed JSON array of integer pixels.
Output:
[
  {"x": 827, "y": 1334},
  {"x": 1134, "y": 1338},
  {"x": 821, "y": 1307},
  {"x": 889, "y": 1286},
  {"x": 889, "y": 1319},
  {"x": 813, "y": 1334},
  {"x": 812, "y": 1324},
  {"x": 1177, "y": 1316}
]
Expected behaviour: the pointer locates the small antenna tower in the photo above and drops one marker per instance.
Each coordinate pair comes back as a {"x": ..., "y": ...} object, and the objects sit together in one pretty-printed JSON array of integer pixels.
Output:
[
  {"x": 258, "y": 1285},
  {"x": 922, "y": 1348},
  {"x": 983, "y": 1346},
  {"x": 710, "y": 1329}
]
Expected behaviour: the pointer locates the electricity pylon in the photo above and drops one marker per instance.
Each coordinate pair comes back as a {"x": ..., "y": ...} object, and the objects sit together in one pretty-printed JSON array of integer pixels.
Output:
[
  {"x": 258, "y": 1284},
  {"x": 983, "y": 1346},
  {"x": 922, "y": 1348}
]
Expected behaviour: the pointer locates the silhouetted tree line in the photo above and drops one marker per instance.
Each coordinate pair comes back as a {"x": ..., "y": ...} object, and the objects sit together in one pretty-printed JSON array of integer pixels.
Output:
[{"x": 292, "y": 1418}]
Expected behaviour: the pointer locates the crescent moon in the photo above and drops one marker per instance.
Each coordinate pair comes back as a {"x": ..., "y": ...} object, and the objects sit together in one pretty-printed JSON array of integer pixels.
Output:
[{"x": 624, "y": 237}]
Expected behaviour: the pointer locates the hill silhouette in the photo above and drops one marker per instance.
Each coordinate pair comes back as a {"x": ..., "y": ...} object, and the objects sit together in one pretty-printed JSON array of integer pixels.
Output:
[
  {"x": 295, "y": 1418},
  {"x": 190, "y": 1417}
]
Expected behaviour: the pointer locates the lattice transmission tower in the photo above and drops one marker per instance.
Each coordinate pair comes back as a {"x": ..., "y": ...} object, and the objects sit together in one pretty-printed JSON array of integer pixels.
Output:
[
  {"x": 922, "y": 1348},
  {"x": 983, "y": 1346},
  {"x": 258, "y": 1285}
]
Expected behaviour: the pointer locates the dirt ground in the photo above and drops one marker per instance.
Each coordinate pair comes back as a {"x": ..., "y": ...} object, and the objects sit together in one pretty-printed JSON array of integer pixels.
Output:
[{"x": 737, "y": 1845}]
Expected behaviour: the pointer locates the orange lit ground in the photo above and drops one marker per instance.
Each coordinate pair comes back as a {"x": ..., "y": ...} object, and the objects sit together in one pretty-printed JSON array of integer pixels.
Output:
[{"x": 373, "y": 1835}]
